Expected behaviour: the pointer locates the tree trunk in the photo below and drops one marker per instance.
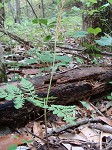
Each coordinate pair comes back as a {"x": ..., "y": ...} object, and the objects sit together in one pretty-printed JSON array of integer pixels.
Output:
[
  {"x": 17, "y": 17},
  {"x": 67, "y": 87},
  {"x": 11, "y": 9},
  {"x": 43, "y": 14},
  {"x": 2, "y": 14},
  {"x": 27, "y": 10}
]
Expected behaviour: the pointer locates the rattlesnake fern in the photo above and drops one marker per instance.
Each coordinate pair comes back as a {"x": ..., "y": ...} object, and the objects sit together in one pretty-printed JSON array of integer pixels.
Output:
[{"x": 25, "y": 91}]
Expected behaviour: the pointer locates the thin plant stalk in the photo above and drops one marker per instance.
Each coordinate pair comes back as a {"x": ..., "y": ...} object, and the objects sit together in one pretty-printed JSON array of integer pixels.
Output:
[{"x": 53, "y": 66}]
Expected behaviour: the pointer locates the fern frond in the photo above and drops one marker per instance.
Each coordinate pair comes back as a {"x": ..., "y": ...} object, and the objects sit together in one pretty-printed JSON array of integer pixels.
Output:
[
  {"x": 12, "y": 92},
  {"x": 21, "y": 94},
  {"x": 19, "y": 101},
  {"x": 66, "y": 112},
  {"x": 37, "y": 102},
  {"x": 29, "y": 92},
  {"x": 16, "y": 94},
  {"x": 3, "y": 93},
  {"x": 28, "y": 87}
]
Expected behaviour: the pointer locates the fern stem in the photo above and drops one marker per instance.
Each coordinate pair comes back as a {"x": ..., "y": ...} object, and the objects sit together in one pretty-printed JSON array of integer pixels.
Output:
[{"x": 53, "y": 65}]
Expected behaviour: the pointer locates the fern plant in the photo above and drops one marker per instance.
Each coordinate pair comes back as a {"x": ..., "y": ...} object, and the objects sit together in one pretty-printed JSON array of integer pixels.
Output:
[
  {"x": 66, "y": 112},
  {"x": 24, "y": 92}
]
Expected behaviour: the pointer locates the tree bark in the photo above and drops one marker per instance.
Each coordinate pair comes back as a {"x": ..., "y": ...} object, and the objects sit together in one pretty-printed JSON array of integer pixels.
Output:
[
  {"x": 17, "y": 16},
  {"x": 43, "y": 12},
  {"x": 67, "y": 87},
  {"x": 2, "y": 15},
  {"x": 11, "y": 10}
]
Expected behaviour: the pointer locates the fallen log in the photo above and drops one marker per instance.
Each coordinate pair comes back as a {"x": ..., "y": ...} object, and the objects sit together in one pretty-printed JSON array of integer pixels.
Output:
[{"x": 67, "y": 87}]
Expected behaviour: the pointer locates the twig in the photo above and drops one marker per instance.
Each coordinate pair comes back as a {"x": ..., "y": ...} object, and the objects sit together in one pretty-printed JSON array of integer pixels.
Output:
[
  {"x": 85, "y": 50},
  {"x": 32, "y": 9},
  {"x": 97, "y": 110},
  {"x": 103, "y": 53},
  {"x": 107, "y": 129},
  {"x": 101, "y": 141},
  {"x": 17, "y": 38},
  {"x": 77, "y": 55},
  {"x": 82, "y": 122},
  {"x": 72, "y": 49},
  {"x": 36, "y": 16}
]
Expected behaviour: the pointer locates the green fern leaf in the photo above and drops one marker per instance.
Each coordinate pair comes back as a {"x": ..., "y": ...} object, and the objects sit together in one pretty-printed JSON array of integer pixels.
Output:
[
  {"x": 26, "y": 84},
  {"x": 20, "y": 95},
  {"x": 66, "y": 112},
  {"x": 28, "y": 87},
  {"x": 3, "y": 94},
  {"x": 19, "y": 102},
  {"x": 16, "y": 94},
  {"x": 10, "y": 92}
]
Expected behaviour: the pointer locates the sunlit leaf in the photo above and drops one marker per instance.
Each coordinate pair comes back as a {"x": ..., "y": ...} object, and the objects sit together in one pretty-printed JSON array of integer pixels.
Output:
[
  {"x": 110, "y": 1},
  {"x": 1, "y": 5},
  {"x": 92, "y": 1},
  {"x": 92, "y": 12},
  {"x": 104, "y": 6},
  {"x": 94, "y": 31},
  {"x": 64, "y": 58}
]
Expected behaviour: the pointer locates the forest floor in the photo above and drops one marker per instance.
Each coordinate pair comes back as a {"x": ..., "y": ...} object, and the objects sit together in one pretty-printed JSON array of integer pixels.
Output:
[{"x": 92, "y": 127}]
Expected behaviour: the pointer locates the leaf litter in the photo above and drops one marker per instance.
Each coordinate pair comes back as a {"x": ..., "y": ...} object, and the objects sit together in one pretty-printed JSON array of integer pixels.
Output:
[{"x": 84, "y": 134}]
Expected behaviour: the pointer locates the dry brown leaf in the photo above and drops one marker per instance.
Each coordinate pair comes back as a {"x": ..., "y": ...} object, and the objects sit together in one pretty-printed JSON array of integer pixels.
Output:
[
  {"x": 37, "y": 130},
  {"x": 91, "y": 134},
  {"x": 70, "y": 136},
  {"x": 106, "y": 120},
  {"x": 30, "y": 71},
  {"x": 8, "y": 140},
  {"x": 109, "y": 112},
  {"x": 70, "y": 147}
]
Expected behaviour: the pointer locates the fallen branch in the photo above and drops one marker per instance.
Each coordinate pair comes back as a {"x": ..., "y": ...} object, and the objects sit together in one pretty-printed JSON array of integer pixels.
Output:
[
  {"x": 106, "y": 129},
  {"x": 67, "y": 87},
  {"x": 16, "y": 38},
  {"x": 83, "y": 49},
  {"x": 77, "y": 124}
]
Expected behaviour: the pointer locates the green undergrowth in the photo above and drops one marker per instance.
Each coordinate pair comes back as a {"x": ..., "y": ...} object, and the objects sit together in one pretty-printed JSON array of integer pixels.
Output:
[{"x": 25, "y": 92}]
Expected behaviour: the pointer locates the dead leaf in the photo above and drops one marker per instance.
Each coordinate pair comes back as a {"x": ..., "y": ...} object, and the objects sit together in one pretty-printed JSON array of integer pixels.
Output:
[
  {"x": 70, "y": 147},
  {"x": 91, "y": 134},
  {"x": 8, "y": 140},
  {"x": 69, "y": 136},
  {"x": 106, "y": 120},
  {"x": 37, "y": 130},
  {"x": 109, "y": 112},
  {"x": 30, "y": 71}
]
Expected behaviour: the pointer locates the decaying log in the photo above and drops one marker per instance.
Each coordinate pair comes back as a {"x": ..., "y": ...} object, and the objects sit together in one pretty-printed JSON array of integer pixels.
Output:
[{"x": 68, "y": 86}]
